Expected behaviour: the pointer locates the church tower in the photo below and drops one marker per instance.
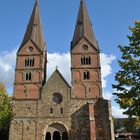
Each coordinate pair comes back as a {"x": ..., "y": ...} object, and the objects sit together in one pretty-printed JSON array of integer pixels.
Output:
[
  {"x": 30, "y": 73},
  {"x": 85, "y": 59}
]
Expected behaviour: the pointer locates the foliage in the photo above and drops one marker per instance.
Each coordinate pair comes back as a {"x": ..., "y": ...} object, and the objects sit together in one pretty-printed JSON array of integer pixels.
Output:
[
  {"x": 117, "y": 126},
  {"x": 129, "y": 125},
  {"x": 127, "y": 87},
  {"x": 137, "y": 123},
  {"x": 5, "y": 110}
]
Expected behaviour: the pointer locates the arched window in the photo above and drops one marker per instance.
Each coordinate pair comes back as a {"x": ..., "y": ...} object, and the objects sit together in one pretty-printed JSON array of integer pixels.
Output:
[
  {"x": 51, "y": 111},
  {"x": 28, "y": 76},
  {"x": 33, "y": 61},
  {"x": 61, "y": 110},
  {"x": 56, "y": 135},
  {"x": 26, "y": 62},
  {"x": 86, "y": 60},
  {"x": 82, "y": 61},
  {"x": 86, "y": 75},
  {"x": 48, "y": 136},
  {"x": 29, "y": 62}
]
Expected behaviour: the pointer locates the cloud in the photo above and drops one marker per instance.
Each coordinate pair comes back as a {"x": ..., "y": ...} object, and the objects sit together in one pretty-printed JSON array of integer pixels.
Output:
[
  {"x": 106, "y": 69},
  {"x": 107, "y": 95},
  {"x": 63, "y": 63},
  {"x": 7, "y": 67},
  {"x": 118, "y": 112},
  {"x": 61, "y": 60}
]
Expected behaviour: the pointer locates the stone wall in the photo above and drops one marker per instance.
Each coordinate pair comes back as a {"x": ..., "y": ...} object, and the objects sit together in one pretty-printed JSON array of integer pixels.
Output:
[
  {"x": 33, "y": 118},
  {"x": 103, "y": 120}
]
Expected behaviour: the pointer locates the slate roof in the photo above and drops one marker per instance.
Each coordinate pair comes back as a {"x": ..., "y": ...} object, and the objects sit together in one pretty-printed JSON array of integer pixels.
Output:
[
  {"x": 83, "y": 28},
  {"x": 34, "y": 29}
]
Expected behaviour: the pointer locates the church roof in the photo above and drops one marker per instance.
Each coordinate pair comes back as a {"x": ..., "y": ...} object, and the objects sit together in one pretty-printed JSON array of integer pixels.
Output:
[
  {"x": 83, "y": 28},
  {"x": 34, "y": 29}
]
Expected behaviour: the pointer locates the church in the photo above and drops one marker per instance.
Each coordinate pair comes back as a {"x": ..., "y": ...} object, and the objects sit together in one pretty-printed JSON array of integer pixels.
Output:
[{"x": 53, "y": 109}]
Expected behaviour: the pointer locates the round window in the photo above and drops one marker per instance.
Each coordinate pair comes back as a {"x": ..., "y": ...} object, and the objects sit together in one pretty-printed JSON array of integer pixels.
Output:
[
  {"x": 85, "y": 47},
  {"x": 57, "y": 98},
  {"x": 30, "y": 49}
]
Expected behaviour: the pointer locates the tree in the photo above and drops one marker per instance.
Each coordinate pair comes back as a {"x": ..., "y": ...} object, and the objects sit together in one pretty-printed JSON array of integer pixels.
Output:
[
  {"x": 5, "y": 112},
  {"x": 124, "y": 124},
  {"x": 117, "y": 125},
  {"x": 129, "y": 124},
  {"x": 127, "y": 87}
]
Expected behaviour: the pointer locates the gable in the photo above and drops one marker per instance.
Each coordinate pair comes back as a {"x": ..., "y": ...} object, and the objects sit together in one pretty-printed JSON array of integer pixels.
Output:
[
  {"x": 55, "y": 96},
  {"x": 84, "y": 46},
  {"x": 25, "y": 49},
  {"x": 55, "y": 84},
  {"x": 57, "y": 78}
]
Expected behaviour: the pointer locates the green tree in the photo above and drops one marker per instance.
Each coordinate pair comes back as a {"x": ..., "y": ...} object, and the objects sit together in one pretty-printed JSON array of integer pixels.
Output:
[
  {"x": 129, "y": 124},
  {"x": 116, "y": 125},
  {"x": 127, "y": 87},
  {"x": 5, "y": 112}
]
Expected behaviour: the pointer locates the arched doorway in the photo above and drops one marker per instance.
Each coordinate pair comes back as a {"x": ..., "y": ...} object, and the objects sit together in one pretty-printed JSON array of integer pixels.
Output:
[
  {"x": 56, "y": 135},
  {"x": 56, "y": 131},
  {"x": 48, "y": 136}
]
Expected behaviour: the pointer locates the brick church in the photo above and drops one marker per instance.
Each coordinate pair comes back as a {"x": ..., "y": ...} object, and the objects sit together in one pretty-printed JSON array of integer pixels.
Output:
[{"x": 53, "y": 109}]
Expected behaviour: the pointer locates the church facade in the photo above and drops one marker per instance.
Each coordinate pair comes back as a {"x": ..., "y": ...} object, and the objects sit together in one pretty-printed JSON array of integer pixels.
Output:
[{"x": 52, "y": 109}]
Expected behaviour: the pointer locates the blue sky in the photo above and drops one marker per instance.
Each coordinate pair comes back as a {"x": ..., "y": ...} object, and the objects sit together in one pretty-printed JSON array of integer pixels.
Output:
[{"x": 110, "y": 20}]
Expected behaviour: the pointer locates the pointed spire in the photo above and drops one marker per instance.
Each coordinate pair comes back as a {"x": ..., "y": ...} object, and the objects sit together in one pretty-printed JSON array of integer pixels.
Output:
[
  {"x": 34, "y": 29},
  {"x": 83, "y": 28}
]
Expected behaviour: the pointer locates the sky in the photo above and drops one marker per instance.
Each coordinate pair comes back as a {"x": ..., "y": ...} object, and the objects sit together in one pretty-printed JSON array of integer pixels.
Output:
[{"x": 110, "y": 20}]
